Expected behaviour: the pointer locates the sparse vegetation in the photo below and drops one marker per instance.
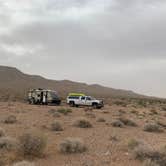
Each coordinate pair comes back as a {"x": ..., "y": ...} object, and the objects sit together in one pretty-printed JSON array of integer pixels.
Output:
[
  {"x": 127, "y": 122},
  {"x": 56, "y": 126},
  {"x": 117, "y": 123},
  {"x": 150, "y": 162},
  {"x": 146, "y": 153},
  {"x": 2, "y": 132},
  {"x": 90, "y": 115},
  {"x": 133, "y": 143},
  {"x": 101, "y": 119},
  {"x": 56, "y": 115},
  {"x": 64, "y": 111},
  {"x": 152, "y": 127},
  {"x": 10, "y": 119},
  {"x": 8, "y": 143},
  {"x": 72, "y": 145},
  {"x": 82, "y": 123},
  {"x": 32, "y": 144},
  {"x": 24, "y": 163}
]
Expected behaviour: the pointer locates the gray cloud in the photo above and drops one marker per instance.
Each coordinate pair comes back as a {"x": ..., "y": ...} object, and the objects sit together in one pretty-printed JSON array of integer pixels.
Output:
[{"x": 114, "y": 42}]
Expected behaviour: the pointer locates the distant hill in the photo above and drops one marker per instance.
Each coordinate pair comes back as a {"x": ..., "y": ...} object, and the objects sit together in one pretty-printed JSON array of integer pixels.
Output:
[{"x": 14, "y": 85}]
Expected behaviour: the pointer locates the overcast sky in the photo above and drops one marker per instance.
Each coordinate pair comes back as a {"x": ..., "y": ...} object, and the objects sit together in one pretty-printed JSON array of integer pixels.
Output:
[{"x": 116, "y": 43}]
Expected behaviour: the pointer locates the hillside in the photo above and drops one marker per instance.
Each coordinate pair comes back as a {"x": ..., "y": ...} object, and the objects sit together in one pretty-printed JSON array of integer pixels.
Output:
[{"x": 14, "y": 85}]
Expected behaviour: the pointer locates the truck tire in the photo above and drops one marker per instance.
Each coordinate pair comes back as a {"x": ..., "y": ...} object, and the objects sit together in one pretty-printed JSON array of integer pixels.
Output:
[
  {"x": 72, "y": 104},
  {"x": 95, "y": 105}
]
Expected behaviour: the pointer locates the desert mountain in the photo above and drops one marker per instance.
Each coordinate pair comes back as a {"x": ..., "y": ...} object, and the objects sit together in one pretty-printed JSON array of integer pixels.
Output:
[{"x": 14, "y": 84}]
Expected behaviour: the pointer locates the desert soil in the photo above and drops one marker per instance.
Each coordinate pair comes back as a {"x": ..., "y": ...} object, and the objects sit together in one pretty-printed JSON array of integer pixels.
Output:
[{"x": 102, "y": 150}]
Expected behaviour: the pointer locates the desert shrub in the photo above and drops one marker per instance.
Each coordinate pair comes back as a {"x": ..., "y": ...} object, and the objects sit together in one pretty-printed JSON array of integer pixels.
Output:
[
  {"x": 8, "y": 143},
  {"x": 152, "y": 127},
  {"x": 101, "y": 119},
  {"x": 51, "y": 111},
  {"x": 72, "y": 145},
  {"x": 90, "y": 115},
  {"x": 153, "y": 112},
  {"x": 11, "y": 119},
  {"x": 105, "y": 112},
  {"x": 114, "y": 138},
  {"x": 127, "y": 122},
  {"x": 64, "y": 111},
  {"x": 134, "y": 111},
  {"x": 142, "y": 103},
  {"x": 149, "y": 162},
  {"x": 133, "y": 143},
  {"x": 56, "y": 126},
  {"x": 144, "y": 153},
  {"x": 163, "y": 108},
  {"x": 82, "y": 123},
  {"x": 56, "y": 115},
  {"x": 88, "y": 109},
  {"x": 120, "y": 103},
  {"x": 117, "y": 123},
  {"x": 24, "y": 163},
  {"x": 162, "y": 124},
  {"x": 32, "y": 144},
  {"x": 2, "y": 132}
]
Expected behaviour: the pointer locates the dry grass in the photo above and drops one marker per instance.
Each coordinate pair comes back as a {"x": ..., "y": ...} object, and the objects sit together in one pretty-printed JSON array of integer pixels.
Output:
[
  {"x": 64, "y": 111},
  {"x": 2, "y": 132},
  {"x": 90, "y": 115},
  {"x": 127, "y": 122},
  {"x": 144, "y": 152},
  {"x": 133, "y": 143},
  {"x": 117, "y": 123},
  {"x": 10, "y": 119},
  {"x": 101, "y": 119},
  {"x": 56, "y": 126},
  {"x": 82, "y": 123},
  {"x": 72, "y": 145},
  {"x": 24, "y": 163},
  {"x": 152, "y": 127},
  {"x": 8, "y": 143},
  {"x": 149, "y": 162},
  {"x": 32, "y": 144}
]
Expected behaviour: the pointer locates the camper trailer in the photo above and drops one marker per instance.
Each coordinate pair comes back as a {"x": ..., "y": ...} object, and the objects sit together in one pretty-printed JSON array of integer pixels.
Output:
[{"x": 43, "y": 96}]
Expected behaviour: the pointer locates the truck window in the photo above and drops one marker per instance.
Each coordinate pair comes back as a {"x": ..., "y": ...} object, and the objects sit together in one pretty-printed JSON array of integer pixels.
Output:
[
  {"x": 82, "y": 98},
  {"x": 88, "y": 98}
]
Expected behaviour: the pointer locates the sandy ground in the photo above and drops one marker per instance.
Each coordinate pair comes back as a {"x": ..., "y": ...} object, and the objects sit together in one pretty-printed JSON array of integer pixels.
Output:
[{"x": 102, "y": 151}]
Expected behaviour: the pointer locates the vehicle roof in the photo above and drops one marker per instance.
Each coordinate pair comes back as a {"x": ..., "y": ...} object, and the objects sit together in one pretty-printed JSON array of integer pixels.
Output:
[{"x": 76, "y": 94}]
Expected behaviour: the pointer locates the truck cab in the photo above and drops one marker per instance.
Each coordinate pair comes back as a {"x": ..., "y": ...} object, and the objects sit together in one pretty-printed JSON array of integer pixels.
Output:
[{"x": 83, "y": 100}]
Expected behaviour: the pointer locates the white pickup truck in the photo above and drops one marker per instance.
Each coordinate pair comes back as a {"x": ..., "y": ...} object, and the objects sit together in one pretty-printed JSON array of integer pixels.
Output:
[{"x": 76, "y": 101}]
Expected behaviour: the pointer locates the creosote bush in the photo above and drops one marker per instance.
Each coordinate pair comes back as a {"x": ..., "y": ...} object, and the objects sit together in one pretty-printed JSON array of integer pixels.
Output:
[
  {"x": 32, "y": 144},
  {"x": 143, "y": 152},
  {"x": 90, "y": 115},
  {"x": 117, "y": 123},
  {"x": 101, "y": 119},
  {"x": 8, "y": 143},
  {"x": 10, "y": 119},
  {"x": 133, "y": 143},
  {"x": 127, "y": 122},
  {"x": 64, "y": 111},
  {"x": 82, "y": 123},
  {"x": 24, "y": 163},
  {"x": 152, "y": 127},
  {"x": 72, "y": 145},
  {"x": 56, "y": 126},
  {"x": 2, "y": 132}
]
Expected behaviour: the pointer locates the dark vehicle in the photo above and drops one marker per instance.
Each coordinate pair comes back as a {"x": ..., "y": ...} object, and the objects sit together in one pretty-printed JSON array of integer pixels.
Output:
[{"x": 43, "y": 96}]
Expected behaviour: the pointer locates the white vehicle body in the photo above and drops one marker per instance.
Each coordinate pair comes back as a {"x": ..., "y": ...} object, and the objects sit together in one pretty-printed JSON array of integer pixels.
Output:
[{"x": 84, "y": 101}]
